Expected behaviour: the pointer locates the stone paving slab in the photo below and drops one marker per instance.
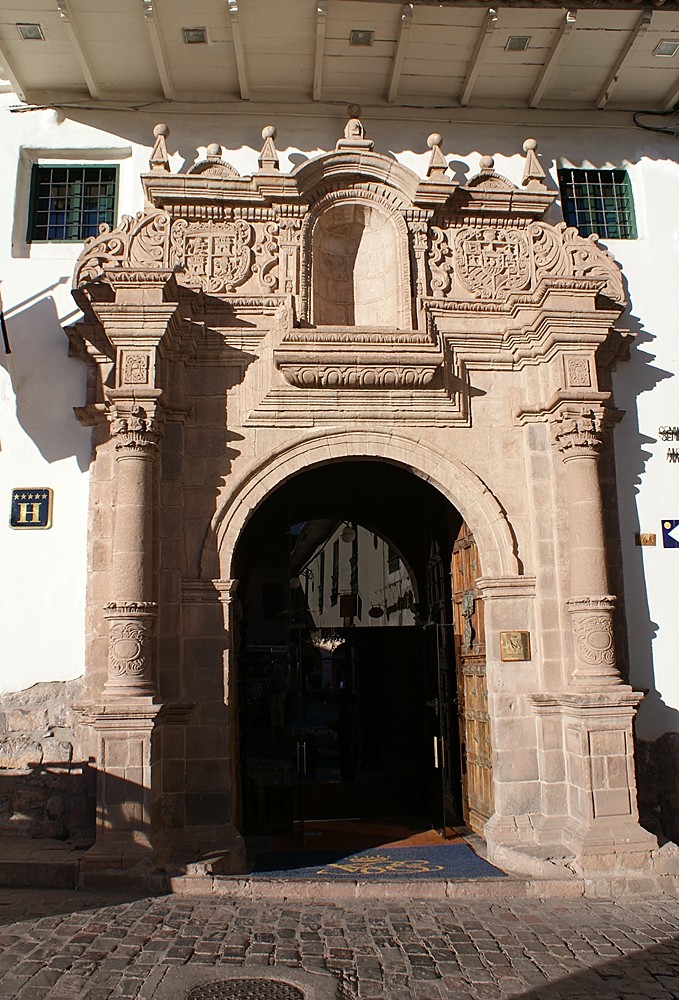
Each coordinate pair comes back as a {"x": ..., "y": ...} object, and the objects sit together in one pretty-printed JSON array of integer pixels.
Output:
[{"x": 57, "y": 944}]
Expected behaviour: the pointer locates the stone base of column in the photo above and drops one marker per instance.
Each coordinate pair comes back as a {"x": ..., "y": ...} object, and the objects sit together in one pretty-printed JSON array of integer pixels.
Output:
[
  {"x": 123, "y": 853},
  {"x": 121, "y": 859},
  {"x": 602, "y": 829},
  {"x": 197, "y": 853}
]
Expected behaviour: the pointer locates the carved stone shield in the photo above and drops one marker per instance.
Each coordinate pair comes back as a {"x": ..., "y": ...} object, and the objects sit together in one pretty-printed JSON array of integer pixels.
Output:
[
  {"x": 216, "y": 259},
  {"x": 492, "y": 263}
]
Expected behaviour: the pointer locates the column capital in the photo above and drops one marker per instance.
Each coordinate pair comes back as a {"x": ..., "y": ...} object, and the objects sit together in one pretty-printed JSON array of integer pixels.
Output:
[
  {"x": 135, "y": 429},
  {"x": 578, "y": 431}
]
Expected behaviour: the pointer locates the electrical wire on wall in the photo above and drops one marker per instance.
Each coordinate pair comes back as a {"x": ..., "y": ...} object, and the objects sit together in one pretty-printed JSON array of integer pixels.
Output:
[{"x": 671, "y": 129}]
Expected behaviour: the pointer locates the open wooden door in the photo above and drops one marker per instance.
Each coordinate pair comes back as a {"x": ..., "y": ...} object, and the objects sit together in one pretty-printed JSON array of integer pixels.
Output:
[{"x": 470, "y": 661}]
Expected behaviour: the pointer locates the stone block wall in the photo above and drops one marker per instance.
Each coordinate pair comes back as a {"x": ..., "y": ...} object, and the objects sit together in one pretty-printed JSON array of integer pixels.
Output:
[{"x": 47, "y": 784}]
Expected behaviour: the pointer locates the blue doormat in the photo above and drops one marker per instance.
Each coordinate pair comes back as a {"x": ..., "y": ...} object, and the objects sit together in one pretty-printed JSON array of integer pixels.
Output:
[{"x": 447, "y": 861}]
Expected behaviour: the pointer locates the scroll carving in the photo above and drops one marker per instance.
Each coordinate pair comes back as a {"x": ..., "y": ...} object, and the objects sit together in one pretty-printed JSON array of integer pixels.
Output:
[
  {"x": 139, "y": 241},
  {"x": 136, "y": 369}
]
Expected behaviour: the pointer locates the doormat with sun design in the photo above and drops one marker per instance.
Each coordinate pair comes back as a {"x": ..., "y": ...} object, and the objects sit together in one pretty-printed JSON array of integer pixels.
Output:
[{"x": 447, "y": 861}]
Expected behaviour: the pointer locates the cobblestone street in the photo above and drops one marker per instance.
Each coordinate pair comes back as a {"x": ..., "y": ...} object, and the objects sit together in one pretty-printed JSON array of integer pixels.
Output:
[{"x": 85, "y": 946}]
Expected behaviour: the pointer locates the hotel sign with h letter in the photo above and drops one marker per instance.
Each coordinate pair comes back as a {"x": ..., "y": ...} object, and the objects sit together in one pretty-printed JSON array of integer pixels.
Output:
[{"x": 31, "y": 507}]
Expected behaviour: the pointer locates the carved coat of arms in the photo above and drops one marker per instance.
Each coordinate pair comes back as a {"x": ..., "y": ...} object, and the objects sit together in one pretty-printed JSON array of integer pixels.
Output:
[
  {"x": 216, "y": 259},
  {"x": 492, "y": 262}
]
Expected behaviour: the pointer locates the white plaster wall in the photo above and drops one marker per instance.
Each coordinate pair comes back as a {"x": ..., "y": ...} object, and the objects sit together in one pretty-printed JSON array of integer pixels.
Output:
[{"x": 42, "y": 574}]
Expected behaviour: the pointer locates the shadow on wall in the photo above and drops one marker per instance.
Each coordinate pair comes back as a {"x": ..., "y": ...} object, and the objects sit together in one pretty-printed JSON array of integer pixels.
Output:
[
  {"x": 47, "y": 384},
  {"x": 657, "y": 762},
  {"x": 55, "y": 800},
  {"x": 299, "y": 136}
]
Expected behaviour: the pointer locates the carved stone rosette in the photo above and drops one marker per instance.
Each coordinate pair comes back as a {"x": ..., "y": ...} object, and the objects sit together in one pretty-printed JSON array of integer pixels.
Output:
[
  {"x": 592, "y": 623},
  {"x": 129, "y": 648}
]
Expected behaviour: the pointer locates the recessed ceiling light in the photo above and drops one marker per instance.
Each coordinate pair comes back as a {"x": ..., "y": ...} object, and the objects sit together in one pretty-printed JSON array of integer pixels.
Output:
[
  {"x": 195, "y": 36},
  {"x": 360, "y": 37},
  {"x": 666, "y": 48},
  {"x": 517, "y": 43},
  {"x": 31, "y": 32}
]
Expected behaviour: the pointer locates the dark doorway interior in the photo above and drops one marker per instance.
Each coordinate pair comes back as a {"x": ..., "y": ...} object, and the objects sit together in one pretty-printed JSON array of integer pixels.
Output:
[{"x": 340, "y": 677}]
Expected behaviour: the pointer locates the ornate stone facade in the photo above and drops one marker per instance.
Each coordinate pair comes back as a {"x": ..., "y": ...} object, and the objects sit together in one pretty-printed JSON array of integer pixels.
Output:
[{"x": 243, "y": 329}]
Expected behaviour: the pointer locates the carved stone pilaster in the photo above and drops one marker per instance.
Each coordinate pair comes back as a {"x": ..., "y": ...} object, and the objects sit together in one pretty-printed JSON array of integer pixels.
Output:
[
  {"x": 592, "y": 624},
  {"x": 419, "y": 235},
  {"x": 129, "y": 648}
]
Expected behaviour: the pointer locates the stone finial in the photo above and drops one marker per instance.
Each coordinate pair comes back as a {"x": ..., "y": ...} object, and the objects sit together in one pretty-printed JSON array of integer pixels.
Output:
[
  {"x": 533, "y": 174},
  {"x": 354, "y": 133},
  {"x": 437, "y": 163},
  {"x": 486, "y": 165},
  {"x": 159, "y": 158},
  {"x": 268, "y": 158},
  {"x": 213, "y": 152}
]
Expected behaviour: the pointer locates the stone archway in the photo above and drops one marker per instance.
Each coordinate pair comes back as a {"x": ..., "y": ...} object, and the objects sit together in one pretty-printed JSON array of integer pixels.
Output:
[{"x": 456, "y": 481}]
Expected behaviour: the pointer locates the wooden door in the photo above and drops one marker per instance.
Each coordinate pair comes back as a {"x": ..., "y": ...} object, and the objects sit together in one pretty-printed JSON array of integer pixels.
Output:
[{"x": 470, "y": 663}]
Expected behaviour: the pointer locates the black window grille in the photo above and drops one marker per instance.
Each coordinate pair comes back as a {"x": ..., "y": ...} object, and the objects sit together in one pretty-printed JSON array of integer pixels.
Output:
[
  {"x": 598, "y": 201},
  {"x": 70, "y": 203}
]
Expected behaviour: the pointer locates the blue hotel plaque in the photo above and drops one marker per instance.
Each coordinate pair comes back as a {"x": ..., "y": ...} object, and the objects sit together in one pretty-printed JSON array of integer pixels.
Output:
[{"x": 31, "y": 507}]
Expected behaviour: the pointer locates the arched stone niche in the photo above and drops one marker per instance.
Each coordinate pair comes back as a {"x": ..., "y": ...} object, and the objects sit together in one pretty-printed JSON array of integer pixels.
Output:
[
  {"x": 355, "y": 267},
  {"x": 356, "y": 263}
]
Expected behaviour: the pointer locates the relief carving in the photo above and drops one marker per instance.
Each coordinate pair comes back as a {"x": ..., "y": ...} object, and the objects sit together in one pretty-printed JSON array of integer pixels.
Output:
[
  {"x": 129, "y": 654},
  {"x": 136, "y": 369},
  {"x": 139, "y": 241},
  {"x": 135, "y": 432},
  {"x": 357, "y": 377},
  {"x": 215, "y": 258},
  {"x": 594, "y": 640},
  {"x": 266, "y": 254},
  {"x": 579, "y": 374},
  {"x": 492, "y": 262},
  {"x": 578, "y": 433}
]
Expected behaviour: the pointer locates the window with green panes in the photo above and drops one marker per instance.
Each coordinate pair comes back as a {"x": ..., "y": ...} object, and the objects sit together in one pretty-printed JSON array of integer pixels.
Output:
[
  {"x": 598, "y": 201},
  {"x": 70, "y": 202}
]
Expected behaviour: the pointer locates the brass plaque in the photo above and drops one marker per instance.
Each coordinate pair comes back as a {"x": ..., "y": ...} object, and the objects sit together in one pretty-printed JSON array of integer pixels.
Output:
[
  {"x": 514, "y": 646},
  {"x": 645, "y": 538}
]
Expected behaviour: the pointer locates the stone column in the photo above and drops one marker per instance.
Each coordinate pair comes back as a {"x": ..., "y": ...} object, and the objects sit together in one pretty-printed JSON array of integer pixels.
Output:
[
  {"x": 132, "y": 614},
  {"x": 577, "y": 434},
  {"x": 139, "y": 326},
  {"x": 601, "y": 822}
]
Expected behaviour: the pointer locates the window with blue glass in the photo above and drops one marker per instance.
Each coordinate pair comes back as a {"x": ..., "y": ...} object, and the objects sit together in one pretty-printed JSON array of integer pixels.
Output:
[
  {"x": 70, "y": 202},
  {"x": 598, "y": 201}
]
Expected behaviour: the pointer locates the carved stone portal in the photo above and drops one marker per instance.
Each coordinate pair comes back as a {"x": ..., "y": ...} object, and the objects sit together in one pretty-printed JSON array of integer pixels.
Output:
[{"x": 242, "y": 329}]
